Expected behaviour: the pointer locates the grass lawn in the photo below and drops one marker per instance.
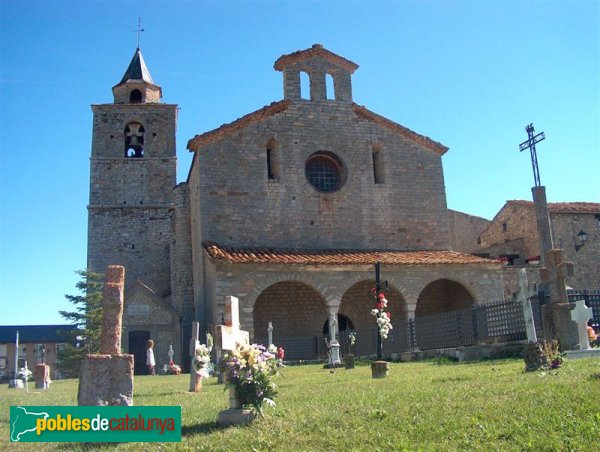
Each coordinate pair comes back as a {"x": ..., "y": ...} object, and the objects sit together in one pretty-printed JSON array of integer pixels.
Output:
[{"x": 491, "y": 405}]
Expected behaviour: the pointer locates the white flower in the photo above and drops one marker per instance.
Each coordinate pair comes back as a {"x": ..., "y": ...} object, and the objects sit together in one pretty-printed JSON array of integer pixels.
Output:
[
  {"x": 384, "y": 302},
  {"x": 374, "y": 312}
]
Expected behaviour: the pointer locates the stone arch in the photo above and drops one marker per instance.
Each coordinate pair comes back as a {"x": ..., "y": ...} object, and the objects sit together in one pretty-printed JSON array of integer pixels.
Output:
[
  {"x": 135, "y": 97},
  {"x": 443, "y": 295},
  {"x": 296, "y": 310},
  {"x": 331, "y": 297},
  {"x": 356, "y": 304}
]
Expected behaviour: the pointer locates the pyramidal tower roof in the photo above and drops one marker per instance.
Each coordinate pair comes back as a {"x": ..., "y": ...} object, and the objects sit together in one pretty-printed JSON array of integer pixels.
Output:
[{"x": 137, "y": 69}]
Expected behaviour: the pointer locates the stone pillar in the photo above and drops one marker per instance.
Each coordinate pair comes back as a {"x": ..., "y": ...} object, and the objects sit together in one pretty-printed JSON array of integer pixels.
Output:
[
  {"x": 107, "y": 378},
  {"x": 112, "y": 307},
  {"x": 543, "y": 221},
  {"x": 318, "y": 87},
  {"x": 42, "y": 376},
  {"x": 291, "y": 85}
]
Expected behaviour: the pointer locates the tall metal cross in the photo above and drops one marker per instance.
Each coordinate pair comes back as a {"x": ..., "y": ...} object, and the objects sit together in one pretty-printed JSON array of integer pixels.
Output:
[
  {"x": 139, "y": 31},
  {"x": 530, "y": 143},
  {"x": 379, "y": 288}
]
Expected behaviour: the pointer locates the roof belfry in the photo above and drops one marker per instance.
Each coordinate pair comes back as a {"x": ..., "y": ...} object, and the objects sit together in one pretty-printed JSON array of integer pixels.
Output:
[
  {"x": 137, "y": 69},
  {"x": 137, "y": 86}
]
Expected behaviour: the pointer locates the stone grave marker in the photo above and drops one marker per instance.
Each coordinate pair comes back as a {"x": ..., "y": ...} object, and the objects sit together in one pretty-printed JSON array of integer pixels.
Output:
[
  {"x": 582, "y": 314},
  {"x": 195, "y": 379},
  {"x": 227, "y": 338},
  {"x": 556, "y": 315},
  {"x": 42, "y": 371},
  {"x": 229, "y": 335},
  {"x": 107, "y": 378},
  {"x": 523, "y": 298}
]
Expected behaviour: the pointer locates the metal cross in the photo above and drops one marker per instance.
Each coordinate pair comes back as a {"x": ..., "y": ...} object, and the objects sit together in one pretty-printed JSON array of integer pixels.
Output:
[
  {"x": 530, "y": 143},
  {"x": 139, "y": 31}
]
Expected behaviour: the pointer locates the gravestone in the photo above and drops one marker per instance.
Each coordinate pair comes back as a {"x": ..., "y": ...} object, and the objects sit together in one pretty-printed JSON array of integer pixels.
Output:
[
  {"x": 229, "y": 335},
  {"x": 227, "y": 338},
  {"x": 107, "y": 378},
  {"x": 581, "y": 315},
  {"x": 556, "y": 316},
  {"x": 42, "y": 376},
  {"x": 195, "y": 378},
  {"x": 524, "y": 298}
]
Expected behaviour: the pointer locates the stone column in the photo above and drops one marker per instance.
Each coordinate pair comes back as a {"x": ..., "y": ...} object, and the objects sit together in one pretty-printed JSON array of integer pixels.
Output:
[
  {"x": 543, "y": 221},
  {"x": 112, "y": 307}
]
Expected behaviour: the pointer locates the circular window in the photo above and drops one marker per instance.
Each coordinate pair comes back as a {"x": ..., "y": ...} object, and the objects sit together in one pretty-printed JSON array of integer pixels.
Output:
[{"x": 324, "y": 171}]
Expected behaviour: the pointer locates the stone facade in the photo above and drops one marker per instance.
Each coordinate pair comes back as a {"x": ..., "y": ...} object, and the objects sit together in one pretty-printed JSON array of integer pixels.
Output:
[{"x": 313, "y": 172}]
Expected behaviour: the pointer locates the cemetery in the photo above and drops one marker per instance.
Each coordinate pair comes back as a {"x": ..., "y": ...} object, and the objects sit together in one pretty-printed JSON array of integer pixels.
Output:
[{"x": 250, "y": 398}]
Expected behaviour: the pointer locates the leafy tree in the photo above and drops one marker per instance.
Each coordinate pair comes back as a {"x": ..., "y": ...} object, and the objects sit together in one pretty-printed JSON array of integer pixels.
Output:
[{"x": 87, "y": 316}]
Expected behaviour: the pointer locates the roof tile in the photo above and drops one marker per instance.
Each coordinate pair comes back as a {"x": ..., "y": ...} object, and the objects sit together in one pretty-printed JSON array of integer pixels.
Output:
[{"x": 340, "y": 257}]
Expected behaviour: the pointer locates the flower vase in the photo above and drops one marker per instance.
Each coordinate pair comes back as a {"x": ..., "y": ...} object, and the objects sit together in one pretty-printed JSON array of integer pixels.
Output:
[{"x": 234, "y": 402}]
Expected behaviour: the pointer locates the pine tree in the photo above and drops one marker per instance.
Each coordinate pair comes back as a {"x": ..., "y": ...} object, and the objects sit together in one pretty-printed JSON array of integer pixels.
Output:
[{"x": 87, "y": 316}]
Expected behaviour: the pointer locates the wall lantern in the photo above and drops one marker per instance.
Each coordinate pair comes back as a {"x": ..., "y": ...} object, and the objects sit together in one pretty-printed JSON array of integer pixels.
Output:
[{"x": 581, "y": 239}]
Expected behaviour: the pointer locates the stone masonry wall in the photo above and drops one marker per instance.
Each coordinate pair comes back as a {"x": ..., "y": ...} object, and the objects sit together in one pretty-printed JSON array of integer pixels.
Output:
[
  {"x": 465, "y": 230},
  {"x": 520, "y": 224},
  {"x": 241, "y": 207},
  {"x": 137, "y": 238},
  {"x": 182, "y": 291},
  {"x": 586, "y": 260}
]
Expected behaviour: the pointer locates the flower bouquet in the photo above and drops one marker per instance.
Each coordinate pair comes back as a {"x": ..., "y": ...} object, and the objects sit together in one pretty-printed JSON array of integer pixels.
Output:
[
  {"x": 384, "y": 323},
  {"x": 249, "y": 370},
  {"x": 173, "y": 369},
  {"x": 201, "y": 362}
]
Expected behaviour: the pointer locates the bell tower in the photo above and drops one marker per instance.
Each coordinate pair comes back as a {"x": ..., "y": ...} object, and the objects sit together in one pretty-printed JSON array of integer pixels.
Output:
[{"x": 132, "y": 175}]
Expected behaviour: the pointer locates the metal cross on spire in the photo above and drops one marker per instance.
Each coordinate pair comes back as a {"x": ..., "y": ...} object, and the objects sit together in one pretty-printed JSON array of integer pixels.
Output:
[
  {"x": 139, "y": 31},
  {"x": 530, "y": 143}
]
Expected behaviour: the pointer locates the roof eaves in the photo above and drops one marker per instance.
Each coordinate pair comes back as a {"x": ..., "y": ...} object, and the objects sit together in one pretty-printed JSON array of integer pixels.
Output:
[
  {"x": 226, "y": 129},
  {"x": 426, "y": 142}
]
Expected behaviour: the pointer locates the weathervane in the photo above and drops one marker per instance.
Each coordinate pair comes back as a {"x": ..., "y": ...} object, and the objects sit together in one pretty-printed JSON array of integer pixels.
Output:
[
  {"x": 139, "y": 31},
  {"x": 530, "y": 143}
]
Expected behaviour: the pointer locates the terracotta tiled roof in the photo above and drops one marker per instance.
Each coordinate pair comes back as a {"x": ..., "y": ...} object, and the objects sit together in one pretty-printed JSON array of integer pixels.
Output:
[
  {"x": 200, "y": 140},
  {"x": 395, "y": 127},
  {"x": 564, "y": 207},
  {"x": 315, "y": 50},
  {"x": 339, "y": 257}
]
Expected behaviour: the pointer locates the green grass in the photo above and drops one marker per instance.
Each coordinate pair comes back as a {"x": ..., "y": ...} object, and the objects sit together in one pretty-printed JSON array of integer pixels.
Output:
[{"x": 490, "y": 405}]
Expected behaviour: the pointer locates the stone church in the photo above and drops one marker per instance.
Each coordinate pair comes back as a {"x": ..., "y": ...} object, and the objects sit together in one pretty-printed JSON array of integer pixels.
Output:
[{"x": 287, "y": 208}]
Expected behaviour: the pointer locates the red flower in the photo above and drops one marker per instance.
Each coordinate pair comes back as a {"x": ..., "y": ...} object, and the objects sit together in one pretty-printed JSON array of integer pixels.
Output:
[
  {"x": 280, "y": 353},
  {"x": 379, "y": 306},
  {"x": 389, "y": 314},
  {"x": 382, "y": 295}
]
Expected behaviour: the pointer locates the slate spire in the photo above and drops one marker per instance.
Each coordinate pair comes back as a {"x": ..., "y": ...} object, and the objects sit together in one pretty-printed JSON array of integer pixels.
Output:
[{"x": 137, "y": 69}]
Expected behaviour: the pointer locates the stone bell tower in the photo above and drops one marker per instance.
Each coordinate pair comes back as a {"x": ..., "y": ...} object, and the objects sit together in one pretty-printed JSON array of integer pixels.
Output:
[{"x": 132, "y": 175}]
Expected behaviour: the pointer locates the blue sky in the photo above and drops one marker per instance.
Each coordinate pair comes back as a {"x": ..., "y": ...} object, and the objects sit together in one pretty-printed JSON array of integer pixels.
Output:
[{"x": 469, "y": 74}]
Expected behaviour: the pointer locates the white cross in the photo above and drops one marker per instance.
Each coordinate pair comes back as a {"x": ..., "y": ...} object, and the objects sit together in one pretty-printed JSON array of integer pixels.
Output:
[
  {"x": 581, "y": 315},
  {"x": 229, "y": 335}
]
